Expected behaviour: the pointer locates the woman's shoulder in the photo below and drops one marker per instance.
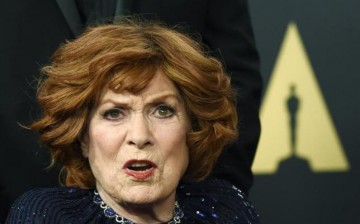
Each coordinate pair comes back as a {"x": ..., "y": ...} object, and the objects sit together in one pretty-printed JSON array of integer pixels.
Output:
[
  {"x": 40, "y": 197},
  {"x": 46, "y": 205},
  {"x": 216, "y": 201},
  {"x": 51, "y": 194}
]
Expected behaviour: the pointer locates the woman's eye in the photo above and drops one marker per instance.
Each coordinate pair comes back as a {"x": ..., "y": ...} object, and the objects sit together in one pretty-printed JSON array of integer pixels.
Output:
[
  {"x": 164, "y": 111},
  {"x": 113, "y": 114}
]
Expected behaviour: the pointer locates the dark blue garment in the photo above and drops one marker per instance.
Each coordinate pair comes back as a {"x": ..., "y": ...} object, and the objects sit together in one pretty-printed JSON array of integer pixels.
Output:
[{"x": 211, "y": 201}]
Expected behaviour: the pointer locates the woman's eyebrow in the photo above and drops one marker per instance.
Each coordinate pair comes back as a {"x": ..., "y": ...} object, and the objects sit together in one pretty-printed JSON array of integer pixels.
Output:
[
  {"x": 149, "y": 99},
  {"x": 162, "y": 96},
  {"x": 115, "y": 102}
]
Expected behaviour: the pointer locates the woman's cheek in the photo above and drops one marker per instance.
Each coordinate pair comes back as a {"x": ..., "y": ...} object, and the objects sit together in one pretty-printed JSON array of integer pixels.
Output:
[{"x": 106, "y": 141}]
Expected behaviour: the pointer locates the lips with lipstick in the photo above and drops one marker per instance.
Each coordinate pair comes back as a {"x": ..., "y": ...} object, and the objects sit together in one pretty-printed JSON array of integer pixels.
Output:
[{"x": 140, "y": 169}]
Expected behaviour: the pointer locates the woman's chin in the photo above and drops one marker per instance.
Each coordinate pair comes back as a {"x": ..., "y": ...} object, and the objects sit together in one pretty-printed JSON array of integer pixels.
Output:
[{"x": 142, "y": 195}]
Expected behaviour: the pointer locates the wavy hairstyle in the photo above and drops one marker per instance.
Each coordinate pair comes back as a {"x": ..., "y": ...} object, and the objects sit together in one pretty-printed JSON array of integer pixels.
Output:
[{"x": 126, "y": 56}]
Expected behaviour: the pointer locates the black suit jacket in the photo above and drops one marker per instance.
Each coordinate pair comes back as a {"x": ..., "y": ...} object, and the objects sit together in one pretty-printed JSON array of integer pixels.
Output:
[{"x": 32, "y": 30}]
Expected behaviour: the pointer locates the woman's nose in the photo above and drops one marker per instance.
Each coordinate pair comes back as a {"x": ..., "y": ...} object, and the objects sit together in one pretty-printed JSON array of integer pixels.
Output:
[{"x": 140, "y": 132}]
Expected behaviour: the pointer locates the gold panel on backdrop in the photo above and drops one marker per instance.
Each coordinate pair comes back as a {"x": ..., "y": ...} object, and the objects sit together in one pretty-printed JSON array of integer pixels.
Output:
[{"x": 295, "y": 120}]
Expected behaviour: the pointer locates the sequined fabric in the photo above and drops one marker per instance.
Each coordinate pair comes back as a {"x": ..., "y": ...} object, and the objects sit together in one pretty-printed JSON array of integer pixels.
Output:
[
  {"x": 208, "y": 202},
  {"x": 215, "y": 201},
  {"x": 178, "y": 214}
]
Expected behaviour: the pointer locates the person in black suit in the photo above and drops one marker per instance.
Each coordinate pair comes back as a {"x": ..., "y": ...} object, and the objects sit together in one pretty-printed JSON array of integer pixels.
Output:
[{"x": 32, "y": 31}]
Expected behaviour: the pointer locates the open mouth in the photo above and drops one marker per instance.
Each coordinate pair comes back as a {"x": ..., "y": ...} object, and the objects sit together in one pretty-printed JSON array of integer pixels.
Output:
[
  {"x": 140, "y": 169},
  {"x": 140, "y": 166}
]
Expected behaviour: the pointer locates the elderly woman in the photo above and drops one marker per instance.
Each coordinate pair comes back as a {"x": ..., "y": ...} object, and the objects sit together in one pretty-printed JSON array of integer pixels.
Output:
[{"x": 136, "y": 114}]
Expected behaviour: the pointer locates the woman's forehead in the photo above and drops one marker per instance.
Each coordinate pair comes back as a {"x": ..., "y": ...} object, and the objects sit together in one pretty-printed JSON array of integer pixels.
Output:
[{"x": 160, "y": 86}]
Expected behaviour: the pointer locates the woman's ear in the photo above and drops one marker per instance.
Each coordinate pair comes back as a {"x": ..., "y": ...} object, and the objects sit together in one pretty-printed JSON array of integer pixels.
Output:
[{"x": 85, "y": 146}]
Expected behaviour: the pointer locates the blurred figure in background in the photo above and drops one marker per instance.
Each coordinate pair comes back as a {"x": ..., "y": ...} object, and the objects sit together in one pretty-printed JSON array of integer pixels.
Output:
[
  {"x": 136, "y": 115},
  {"x": 33, "y": 31}
]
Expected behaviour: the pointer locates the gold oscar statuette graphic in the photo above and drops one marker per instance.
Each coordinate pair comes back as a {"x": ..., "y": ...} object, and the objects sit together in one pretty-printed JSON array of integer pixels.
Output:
[{"x": 295, "y": 119}]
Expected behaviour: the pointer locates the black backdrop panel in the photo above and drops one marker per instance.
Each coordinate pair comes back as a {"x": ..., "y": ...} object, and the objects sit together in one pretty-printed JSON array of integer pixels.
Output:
[{"x": 330, "y": 33}]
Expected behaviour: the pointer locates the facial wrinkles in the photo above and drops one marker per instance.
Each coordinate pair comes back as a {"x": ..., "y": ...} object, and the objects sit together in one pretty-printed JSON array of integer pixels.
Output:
[
  {"x": 138, "y": 110},
  {"x": 110, "y": 152}
]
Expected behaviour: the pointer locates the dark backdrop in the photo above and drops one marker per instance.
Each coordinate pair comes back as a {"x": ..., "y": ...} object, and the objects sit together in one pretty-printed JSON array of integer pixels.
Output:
[
  {"x": 330, "y": 32},
  {"x": 28, "y": 45}
]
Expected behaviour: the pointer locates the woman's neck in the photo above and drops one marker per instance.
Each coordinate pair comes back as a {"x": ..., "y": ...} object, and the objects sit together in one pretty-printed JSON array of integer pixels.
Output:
[{"x": 160, "y": 211}]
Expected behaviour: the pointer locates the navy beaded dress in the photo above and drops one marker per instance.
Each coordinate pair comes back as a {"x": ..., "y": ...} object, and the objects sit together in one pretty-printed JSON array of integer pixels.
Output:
[{"x": 207, "y": 202}]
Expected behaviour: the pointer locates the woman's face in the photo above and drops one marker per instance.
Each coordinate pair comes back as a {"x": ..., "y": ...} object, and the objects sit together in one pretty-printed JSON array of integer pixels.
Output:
[{"x": 136, "y": 144}]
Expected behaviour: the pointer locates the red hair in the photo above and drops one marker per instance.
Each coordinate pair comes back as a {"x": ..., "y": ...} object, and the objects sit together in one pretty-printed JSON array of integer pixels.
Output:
[{"x": 126, "y": 56}]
